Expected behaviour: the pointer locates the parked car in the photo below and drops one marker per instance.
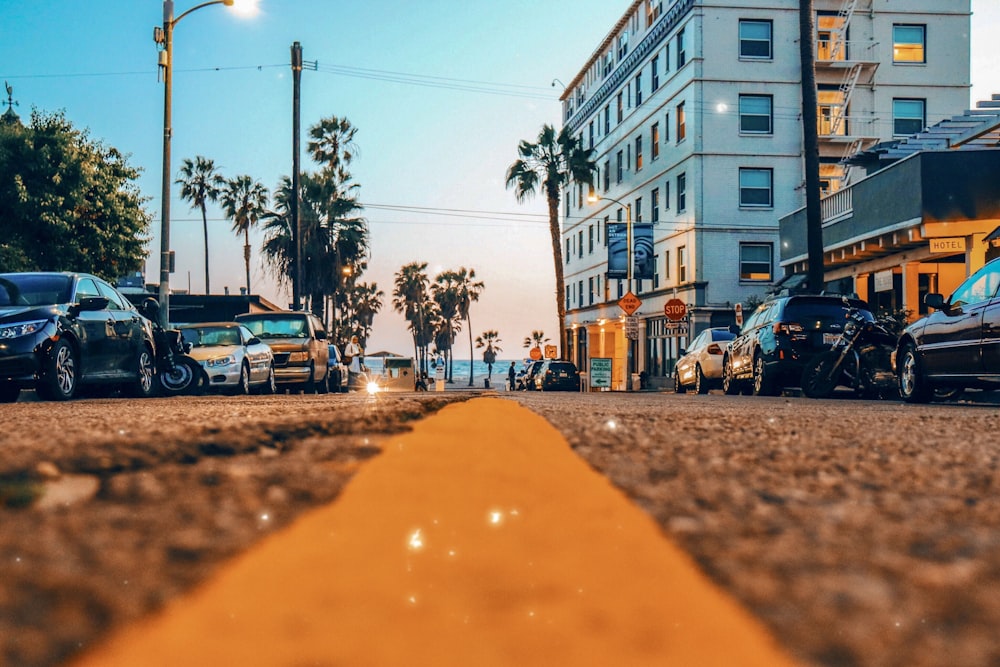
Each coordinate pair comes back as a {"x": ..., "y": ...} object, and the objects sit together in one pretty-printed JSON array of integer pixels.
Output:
[
  {"x": 781, "y": 335},
  {"x": 524, "y": 379},
  {"x": 700, "y": 365},
  {"x": 232, "y": 358},
  {"x": 956, "y": 346},
  {"x": 336, "y": 370},
  {"x": 557, "y": 375},
  {"x": 299, "y": 343},
  {"x": 60, "y": 332}
]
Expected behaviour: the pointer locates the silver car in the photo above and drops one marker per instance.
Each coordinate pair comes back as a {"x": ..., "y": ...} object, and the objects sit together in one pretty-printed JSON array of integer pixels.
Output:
[
  {"x": 700, "y": 366},
  {"x": 234, "y": 360}
]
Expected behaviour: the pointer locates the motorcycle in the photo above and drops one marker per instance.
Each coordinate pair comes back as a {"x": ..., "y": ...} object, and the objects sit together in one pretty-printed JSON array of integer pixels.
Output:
[
  {"x": 860, "y": 359},
  {"x": 177, "y": 373}
]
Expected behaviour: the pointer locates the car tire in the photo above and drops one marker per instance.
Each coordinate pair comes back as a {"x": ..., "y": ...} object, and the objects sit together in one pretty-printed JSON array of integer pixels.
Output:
[
  {"x": 144, "y": 385},
  {"x": 270, "y": 387},
  {"x": 763, "y": 382},
  {"x": 243, "y": 388},
  {"x": 59, "y": 373},
  {"x": 913, "y": 387},
  {"x": 9, "y": 392},
  {"x": 700, "y": 381},
  {"x": 817, "y": 380},
  {"x": 678, "y": 385},
  {"x": 184, "y": 379},
  {"x": 323, "y": 386},
  {"x": 730, "y": 386}
]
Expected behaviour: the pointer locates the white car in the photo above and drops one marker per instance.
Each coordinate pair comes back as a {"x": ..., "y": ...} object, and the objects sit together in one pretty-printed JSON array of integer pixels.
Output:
[
  {"x": 234, "y": 360},
  {"x": 700, "y": 366}
]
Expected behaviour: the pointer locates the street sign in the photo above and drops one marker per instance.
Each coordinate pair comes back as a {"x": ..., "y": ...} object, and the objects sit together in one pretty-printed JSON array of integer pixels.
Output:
[
  {"x": 535, "y": 353},
  {"x": 632, "y": 327},
  {"x": 677, "y": 329},
  {"x": 600, "y": 373},
  {"x": 739, "y": 314},
  {"x": 675, "y": 310},
  {"x": 629, "y": 303},
  {"x": 551, "y": 352}
]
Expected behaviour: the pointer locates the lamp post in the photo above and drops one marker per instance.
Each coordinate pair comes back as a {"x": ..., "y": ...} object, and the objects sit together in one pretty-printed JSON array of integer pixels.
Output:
[
  {"x": 165, "y": 37},
  {"x": 593, "y": 198}
]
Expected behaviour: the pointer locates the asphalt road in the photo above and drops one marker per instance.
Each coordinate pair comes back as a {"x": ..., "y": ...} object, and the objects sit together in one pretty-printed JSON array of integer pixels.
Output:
[{"x": 858, "y": 533}]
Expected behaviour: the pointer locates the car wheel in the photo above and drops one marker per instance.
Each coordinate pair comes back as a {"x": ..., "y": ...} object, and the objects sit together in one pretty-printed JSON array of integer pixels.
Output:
[
  {"x": 243, "y": 388},
  {"x": 678, "y": 386},
  {"x": 144, "y": 384},
  {"x": 700, "y": 381},
  {"x": 818, "y": 378},
  {"x": 183, "y": 379},
  {"x": 913, "y": 388},
  {"x": 323, "y": 386},
  {"x": 763, "y": 383},
  {"x": 9, "y": 392},
  {"x": 730, "y": 386},
  {"x": 59, "y": 373},
  {"x": 270, "y": 387}
]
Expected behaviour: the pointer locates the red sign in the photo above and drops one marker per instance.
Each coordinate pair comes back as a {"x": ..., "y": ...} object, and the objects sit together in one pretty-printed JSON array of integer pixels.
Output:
[
  {"x": 675, "y": 310},
  {"x": 629, "y": 303}
]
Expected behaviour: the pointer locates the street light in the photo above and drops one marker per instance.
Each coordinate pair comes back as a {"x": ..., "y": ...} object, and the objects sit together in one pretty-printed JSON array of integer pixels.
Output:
[
  {"x": 593, "y": 198},
  {"x": 165, "y": 37}
]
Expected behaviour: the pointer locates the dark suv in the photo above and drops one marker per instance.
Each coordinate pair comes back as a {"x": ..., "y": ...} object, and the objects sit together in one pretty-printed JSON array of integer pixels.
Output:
[
  {"x": 780, "y": 336},
  {"x": 557, "y": 375}
]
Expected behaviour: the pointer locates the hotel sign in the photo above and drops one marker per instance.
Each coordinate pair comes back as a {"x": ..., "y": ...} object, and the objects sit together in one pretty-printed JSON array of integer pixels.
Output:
[{"x": 955, "y": 244}]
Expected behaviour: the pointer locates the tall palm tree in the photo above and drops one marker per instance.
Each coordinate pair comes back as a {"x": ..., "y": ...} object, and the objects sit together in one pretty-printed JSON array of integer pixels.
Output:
[
  {"x": 278, "y": 251},
  {"x": 201, "y": 183},
  {"x": 331, "y": 142},
  {"x": 536, "y": 339},
  {"x": 410, "y": 297},
  {"x": 245, "y": 203},
  {"x": 469, "y": 290},
  {"x": 447, "y": 293},
  {"x": 489, "y": 339},
  {"x": 551, "y": 162}
]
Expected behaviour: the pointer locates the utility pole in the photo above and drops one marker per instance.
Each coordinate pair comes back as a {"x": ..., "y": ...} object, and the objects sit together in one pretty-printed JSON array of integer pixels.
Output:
[
  {"x": 296, "y": 222},
  {"x": 810, "y": 146}
]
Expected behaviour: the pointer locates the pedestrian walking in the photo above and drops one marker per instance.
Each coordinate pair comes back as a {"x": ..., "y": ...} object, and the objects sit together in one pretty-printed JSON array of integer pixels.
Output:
[
  {"x": 353, "y": 354},
  {"x": 511, "y": 374}
]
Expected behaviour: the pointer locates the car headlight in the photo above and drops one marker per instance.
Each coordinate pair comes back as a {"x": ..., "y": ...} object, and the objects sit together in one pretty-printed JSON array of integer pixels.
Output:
[
  {"x": 228, "y": 360},
  {"x": 22, "y": 328},
  {"x": 298, "y": 356}
]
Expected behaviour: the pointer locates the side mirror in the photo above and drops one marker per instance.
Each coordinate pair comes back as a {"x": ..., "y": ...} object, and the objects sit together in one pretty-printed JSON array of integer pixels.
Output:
[
  {"x": 253, "y": 341},
  {"x": 935, "y": 301},
  {"x": 321, "y": 335},
  {"x": 89, "y": 304}
]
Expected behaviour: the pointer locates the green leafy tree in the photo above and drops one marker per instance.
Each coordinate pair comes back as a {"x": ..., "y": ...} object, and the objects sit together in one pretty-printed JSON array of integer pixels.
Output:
[
  {"x": 201, "y": 183},
  {"x": 245, "y": 202},
  {"x": 550, "y": 163},
  {"x": 68, "y": 202}
]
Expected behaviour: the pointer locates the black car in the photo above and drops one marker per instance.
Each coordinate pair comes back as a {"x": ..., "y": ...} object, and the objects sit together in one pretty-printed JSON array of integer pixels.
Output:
[
  {"x": 778, "y": 338},
  {"x": 61, "y": 331},
  {"x": 557, "y": 375},
  {"x": 525, "y": 379},
  {"x": 956, "y": 346}
]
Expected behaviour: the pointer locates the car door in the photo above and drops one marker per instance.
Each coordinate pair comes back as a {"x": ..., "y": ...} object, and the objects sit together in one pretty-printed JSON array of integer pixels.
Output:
[
  {"x": 97, "y": 332},
  {"x": 125, "y": 339},
  {"x": 686, "y": 364},
  {"x": 953, "y": 336},
  {"x": 257, "y": 355}
]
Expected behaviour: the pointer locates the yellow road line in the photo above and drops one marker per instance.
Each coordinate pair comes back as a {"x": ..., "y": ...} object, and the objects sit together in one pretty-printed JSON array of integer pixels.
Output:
[{"x": 477, "y": 539}]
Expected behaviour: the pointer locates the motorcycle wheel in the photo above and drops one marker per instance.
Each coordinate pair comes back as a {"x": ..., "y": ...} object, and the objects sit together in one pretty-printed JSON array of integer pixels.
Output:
[
  {"x": 818, "y": 377},
  {"x": 184, "y": 379}
]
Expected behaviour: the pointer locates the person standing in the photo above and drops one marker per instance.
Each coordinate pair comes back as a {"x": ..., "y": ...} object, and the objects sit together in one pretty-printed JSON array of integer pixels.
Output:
[
  {"x": 353, "y": 352},
  {"x": 511, "y": 375}
]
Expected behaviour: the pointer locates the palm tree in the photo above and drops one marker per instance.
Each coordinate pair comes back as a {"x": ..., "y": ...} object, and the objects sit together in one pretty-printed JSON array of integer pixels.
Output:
[
  {"x": 245, "y": 203},
  {"x": 491, "y": 341},
  {"x": 536, "y": 339},
  {"x": 332, "y": 142},
  {"x": 469, "y": 290},
  {"x": 447, "y": 294},
  {"x": 410, "y": 297},
  {"x": 201, "y": 183},
  {"x": 551, "y": 162},
  {"x": 278, "y": 248}
]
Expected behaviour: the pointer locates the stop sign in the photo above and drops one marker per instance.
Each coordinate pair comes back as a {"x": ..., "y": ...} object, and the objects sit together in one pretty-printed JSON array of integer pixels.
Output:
[{"x": 675, "y": 310}]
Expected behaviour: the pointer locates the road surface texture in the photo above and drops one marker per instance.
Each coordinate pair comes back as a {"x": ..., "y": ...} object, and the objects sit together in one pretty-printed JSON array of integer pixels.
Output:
[{"x": 857, "y": 533}]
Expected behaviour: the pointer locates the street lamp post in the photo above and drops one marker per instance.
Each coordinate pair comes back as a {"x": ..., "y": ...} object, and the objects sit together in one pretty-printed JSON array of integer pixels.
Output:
[
  {"x": 593, "y": 198},
  {"x": 165, "y": 37}
]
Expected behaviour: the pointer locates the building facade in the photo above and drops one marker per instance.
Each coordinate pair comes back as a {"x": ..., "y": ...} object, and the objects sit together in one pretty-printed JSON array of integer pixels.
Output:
[{"x": 693, "y": 109}]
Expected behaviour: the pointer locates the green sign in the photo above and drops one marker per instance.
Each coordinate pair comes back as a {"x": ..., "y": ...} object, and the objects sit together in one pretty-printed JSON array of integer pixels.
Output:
[{"x": 600, "y": 373}]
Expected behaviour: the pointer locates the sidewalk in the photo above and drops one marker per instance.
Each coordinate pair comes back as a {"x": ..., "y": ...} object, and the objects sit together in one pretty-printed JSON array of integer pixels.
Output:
[{"x": 477, "y": 539}]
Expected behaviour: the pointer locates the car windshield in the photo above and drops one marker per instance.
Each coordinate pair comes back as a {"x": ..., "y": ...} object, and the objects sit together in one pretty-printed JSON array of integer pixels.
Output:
[
  {"x": 17, "y": 289},
  {"x": 819, "y": 314},
  {"x": 277, "y": 327},
  {"x": 211, "y": 336}
]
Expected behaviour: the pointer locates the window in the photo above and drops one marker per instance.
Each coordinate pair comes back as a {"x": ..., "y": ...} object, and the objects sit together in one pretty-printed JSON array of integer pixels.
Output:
[
  {"x": 607, "y": 118},
  {"x": 755, "y": 187},
  {"x": 607, "y": 64},
  {"x": 682, "y": 268},
  {"x": 579, "y": 292},
  {"x": 607, "y": 175},
  {"x": 590, "y": 287},
  {"x": 681, "y": 49},
  {"x": 579, "y": 243},
  {"x": 654, "y": 141},
  {"x": 909, "y": 44},
  {"x": 666, "y": 196},
  {"x": 666, "y": 265},
  {"x": 638, "y": 153},
  {"x": 755, "y": 39},
  {"x": 590, "y": 132},
  {"x": 622, "y": 45},
  {"x": 638, "y": 209},
  {"x": 681, "y": 193},
  {"x": 755, "y": 114},
  {"x": 590, "y": 240},
  {"x": 681, "y": 123},
  {"x": 832, "y": 112},
  {"x": 621, "y": 165},
  {"x": 756, "y": 261},
  {"x": 638, "y": 89},
  {"x": 621, "y": 108},
  {"x": 908, "y": 116},
  {"x": 654, "y": 203},
  {"x": 607, "y": 219},
  {"x": 568, "y": 253},
  {"x": 831, "y": 44},
  {"x": 666, "y": 127},
  {"x": 654, "y": 69}
]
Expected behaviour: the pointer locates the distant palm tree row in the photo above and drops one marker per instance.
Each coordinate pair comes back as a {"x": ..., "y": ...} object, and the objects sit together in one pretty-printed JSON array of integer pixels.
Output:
[{"x": 334, "y": 240}]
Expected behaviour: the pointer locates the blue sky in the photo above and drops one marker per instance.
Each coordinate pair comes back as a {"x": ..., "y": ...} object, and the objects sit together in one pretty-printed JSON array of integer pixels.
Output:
[{"x": 478, "y": 79}]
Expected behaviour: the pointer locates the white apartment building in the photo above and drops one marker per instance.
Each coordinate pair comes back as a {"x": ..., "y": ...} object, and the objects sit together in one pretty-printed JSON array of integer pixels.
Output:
[{"x": 693, "y": 109}]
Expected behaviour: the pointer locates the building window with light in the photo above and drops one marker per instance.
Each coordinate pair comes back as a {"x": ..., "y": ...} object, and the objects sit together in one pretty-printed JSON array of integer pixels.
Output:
[
  {"x": 755, "y": 40},
  {"x": 654, "y": 141},
  {"x": 681, "y": 123},
  {"x": 681, "y": 193},
  {"x": 638, "y": 153},
  {"x": 908, "y": 117},
  {"x": 909, "y": 43},
  {"x": 621, "y": 108},
  {"x": 755, "y": 188},
  {"x": 756, "y": 114},
  {"x": 682, "y": 269},
  {"x": 756, "y": 261}
]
